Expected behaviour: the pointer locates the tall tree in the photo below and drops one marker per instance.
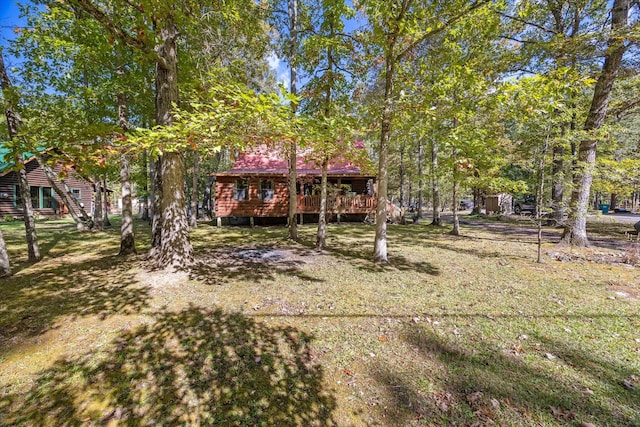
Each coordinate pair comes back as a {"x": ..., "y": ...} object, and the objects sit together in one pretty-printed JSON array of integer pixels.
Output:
[
  {"x": 397, "y": 29},
  {"x": 575, "y": 232},
  {"x": 13, "y": 122}
]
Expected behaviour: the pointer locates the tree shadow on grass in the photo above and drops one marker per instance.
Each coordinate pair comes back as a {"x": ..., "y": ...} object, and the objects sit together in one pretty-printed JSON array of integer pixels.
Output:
[
  {"x": 193, "y": 367},
  {"x": 250, "y": 263},
  {"x": 361, "y": 256},
  {"x": 33, "y": 301},
  {"x": 482, "y": 386}
]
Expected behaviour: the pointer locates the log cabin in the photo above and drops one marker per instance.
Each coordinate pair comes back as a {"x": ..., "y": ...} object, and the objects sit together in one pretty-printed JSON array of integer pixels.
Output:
[
  {"x": 45, "y": 201},
  {"x": 256, "y": 189}
]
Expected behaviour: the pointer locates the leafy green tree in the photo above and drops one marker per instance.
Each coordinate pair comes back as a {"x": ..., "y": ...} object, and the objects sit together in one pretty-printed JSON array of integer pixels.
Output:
[{"x": 396, "y": 30}]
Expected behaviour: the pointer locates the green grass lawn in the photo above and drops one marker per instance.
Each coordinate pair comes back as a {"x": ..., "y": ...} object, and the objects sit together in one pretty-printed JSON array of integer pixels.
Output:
[{"x": 453, "y": 331}]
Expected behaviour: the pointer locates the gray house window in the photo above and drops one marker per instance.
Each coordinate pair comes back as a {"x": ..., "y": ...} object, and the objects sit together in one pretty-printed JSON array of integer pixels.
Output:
[
  {"x": 241, "y": 189},
  {"x": 266, "y": 190}
]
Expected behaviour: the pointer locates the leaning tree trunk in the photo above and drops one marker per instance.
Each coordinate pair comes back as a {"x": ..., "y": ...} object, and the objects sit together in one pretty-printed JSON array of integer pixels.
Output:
[
  {"x": 193, "y": 220},
  {"x": 575, "y": 233},
  {"x": 27, "y": 209},
  {"x": 437, "y": 220},
  {"x": 82, "y": 220},
  {"x": 97, "y": 205},
  {"x": 5, "y": 268},
  {"x": 175, "y": 250},
  {"x": 321, "y": 238},
  {"x": 13, "y": 123},
  {"x": 105, "y": 206}
]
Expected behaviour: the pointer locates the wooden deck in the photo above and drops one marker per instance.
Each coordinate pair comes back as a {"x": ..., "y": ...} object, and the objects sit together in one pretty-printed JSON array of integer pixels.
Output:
[{"x": 344, "y": 204}]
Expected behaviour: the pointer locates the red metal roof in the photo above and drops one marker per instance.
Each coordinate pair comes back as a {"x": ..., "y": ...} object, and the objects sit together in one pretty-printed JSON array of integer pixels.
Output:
[{"x": 264, "y": 160}]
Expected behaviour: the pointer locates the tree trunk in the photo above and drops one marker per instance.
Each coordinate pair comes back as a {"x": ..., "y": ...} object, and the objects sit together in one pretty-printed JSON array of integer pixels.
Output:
[
  {"x": 97, "y": 205},
  {"x": 5, "y": 268},
  {"x": 145, "y": 187},
  {"x": 456, "y": 220},
  {"x": 293, "y": 178},
  {"x": 155, "y": 167},
  {"x": 175, "y": 245},
  {"x": 540, "y": 195},
  {"x": 28, "y": 214},
  {"x": 614, "y": 202},
  {"x": 380, "y": 243},
  {"x": 105, "y": 206},
  {"x": 207, "y": 203},
  {"x": 127, "y": 237},
  {"x": 193, "y": 220},
  {"x": 437, "y": 220},
  {"x": 557, "y": 185},
  {"x": 420, "y": 183},
  {"x": 176, "y": 249},
  {"x": 13, "y": 123},
  {"x": 402, "y": 176},
  {"x": 575, "y": 233},
  {"x": 321, "y": 238},
  {"x": 82, "y": 220}
]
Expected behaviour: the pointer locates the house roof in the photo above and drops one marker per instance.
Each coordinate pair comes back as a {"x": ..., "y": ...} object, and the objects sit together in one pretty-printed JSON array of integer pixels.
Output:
[
  {"x": 7, "y": 162},
  {"x": 269, "y": 161}
]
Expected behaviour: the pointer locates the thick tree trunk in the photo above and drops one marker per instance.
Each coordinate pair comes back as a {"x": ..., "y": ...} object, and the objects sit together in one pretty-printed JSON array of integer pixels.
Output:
[
  {"x": 176, "y": 249},
  {"x": 5, "y": 268},
  {"x": 13, "y": 123},
  {"x": 82, "y": 220},
  {"x": 175, "y": 245},
  {"x": 380, "y": 242},
  {"x": 193, "y": 220},
  {"x": 575, "y": 233},
  {"x": 437, "y": 220},
  {"x": 613, "y": 204},
  {"x": 97, "y": 205},
  {"x": 321, "y": 238}
]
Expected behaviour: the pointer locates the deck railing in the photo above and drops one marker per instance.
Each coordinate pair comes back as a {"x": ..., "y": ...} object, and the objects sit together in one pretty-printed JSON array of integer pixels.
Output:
[{"x": 357, "y": 203}]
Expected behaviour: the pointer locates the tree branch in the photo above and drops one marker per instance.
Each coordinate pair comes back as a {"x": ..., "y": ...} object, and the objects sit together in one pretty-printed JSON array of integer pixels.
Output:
[
  {"x": 476, "y": 5},
  {"x": 102, "y": 17},
  {"x": 523, "y": 21}
]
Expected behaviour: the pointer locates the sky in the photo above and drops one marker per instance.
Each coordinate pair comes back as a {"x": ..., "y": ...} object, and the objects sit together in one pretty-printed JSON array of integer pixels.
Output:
[{"x": 9, "y": 20}]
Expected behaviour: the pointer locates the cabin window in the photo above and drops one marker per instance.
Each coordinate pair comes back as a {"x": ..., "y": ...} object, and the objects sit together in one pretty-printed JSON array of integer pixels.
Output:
[
  {"x": 41, "y": 197},
  {"x": 241, "y": 189},
  {"x": 47, "y": 197},
  {"x": 266, "y": 190},
  {"x": 76, "y": 193}
]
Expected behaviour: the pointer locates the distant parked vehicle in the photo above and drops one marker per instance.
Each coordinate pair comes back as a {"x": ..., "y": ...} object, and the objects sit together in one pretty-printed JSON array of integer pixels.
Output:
[
  {"x": 525, "y": 204},
  {"x": 466, "y": 204}
]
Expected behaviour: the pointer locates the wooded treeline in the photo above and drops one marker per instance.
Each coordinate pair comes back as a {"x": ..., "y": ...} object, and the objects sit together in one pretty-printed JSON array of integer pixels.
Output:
[{"x": 452, "y": 98}]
